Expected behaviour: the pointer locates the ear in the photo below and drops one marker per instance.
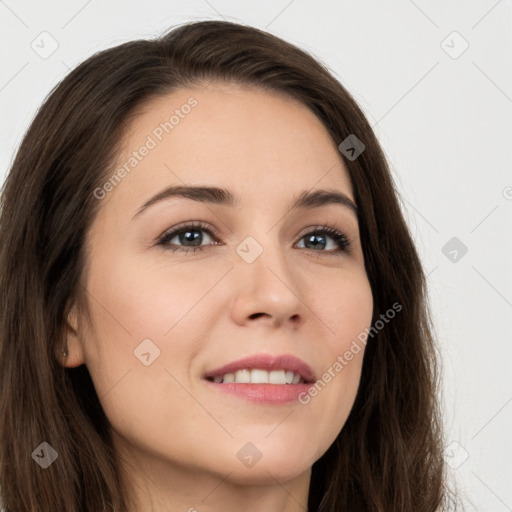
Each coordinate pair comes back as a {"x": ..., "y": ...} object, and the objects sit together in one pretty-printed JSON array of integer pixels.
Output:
[{"x": 73, "y": 342}]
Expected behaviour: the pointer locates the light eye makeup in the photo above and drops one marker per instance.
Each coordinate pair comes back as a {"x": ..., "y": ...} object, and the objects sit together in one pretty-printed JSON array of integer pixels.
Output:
[{"x": 190, "y": 232}]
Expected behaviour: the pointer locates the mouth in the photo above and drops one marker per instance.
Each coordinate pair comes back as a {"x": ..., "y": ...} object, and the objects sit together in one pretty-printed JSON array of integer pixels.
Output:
[
  {"x": 283, "y": 370},
  {"x": 258, "y": 376}
]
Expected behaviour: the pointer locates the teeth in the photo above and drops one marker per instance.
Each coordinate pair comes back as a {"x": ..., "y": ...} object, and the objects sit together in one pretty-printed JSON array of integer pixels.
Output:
[
  {"x": 277, "y": 377},
  {"x": 258, "y": 376},
  {"x": 243, "y": 376}
]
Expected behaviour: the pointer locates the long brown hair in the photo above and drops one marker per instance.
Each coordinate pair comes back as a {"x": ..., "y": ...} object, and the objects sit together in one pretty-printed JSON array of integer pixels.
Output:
[{"x": 389, "y": 454}]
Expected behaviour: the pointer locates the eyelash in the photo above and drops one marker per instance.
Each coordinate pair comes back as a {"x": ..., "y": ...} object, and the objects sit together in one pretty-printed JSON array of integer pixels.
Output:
[{"x": 340, "y": 238}]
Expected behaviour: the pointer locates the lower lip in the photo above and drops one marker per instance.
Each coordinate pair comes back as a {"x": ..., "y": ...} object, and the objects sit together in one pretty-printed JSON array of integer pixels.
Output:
[{"x": 263, "y": 393}]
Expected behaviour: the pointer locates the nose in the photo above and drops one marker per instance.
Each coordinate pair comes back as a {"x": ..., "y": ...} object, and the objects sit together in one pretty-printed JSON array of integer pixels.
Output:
[{"x": 267, "y": 290}]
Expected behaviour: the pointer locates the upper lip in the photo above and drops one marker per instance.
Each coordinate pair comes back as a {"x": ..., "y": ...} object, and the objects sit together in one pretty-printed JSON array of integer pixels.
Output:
[{"x": 268, "y": 362}]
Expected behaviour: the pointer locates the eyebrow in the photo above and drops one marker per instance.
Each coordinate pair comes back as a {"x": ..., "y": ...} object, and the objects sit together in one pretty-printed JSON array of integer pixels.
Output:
[{"x": 221, "y": 196}]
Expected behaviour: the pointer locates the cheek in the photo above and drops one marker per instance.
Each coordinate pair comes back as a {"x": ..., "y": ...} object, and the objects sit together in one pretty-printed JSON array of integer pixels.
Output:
[
  {"x": 136, "y": 312},
  {"x": 347, "y": 310},
  {"x": 347, "y": 314},
  {"x": 139, "y": 318},
  {"x": 146, "y": 301},
  {"x": 353, "y": 317}
]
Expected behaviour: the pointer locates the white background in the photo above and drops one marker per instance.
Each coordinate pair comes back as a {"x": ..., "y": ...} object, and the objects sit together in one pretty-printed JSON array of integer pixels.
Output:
[{"x": 444, "y": 121}]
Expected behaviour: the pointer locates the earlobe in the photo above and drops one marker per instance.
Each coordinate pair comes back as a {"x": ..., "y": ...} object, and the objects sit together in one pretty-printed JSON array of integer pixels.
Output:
[{"x": 71, "y": 354}]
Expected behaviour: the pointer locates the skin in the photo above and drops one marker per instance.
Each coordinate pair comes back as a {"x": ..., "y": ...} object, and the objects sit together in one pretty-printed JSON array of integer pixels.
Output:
[{"x": 177, "y": 439}]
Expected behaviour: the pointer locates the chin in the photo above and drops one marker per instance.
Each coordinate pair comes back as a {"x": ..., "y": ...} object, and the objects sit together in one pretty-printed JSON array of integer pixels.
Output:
[
  {"x": 267, "y": 473},
  {"x": 251, "y": 465}
]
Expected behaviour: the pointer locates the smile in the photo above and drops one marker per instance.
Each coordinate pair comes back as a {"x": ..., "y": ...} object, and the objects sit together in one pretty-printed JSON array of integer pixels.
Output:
[{"x": 259, "y": 376}]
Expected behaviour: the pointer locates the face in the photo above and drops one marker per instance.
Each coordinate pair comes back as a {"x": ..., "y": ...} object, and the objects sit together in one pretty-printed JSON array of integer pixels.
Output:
[{"x": 170, "y": 302}]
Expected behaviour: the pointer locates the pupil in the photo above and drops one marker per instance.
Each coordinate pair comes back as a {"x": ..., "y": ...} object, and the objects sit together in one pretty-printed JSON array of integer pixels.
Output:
[
  {"x": 312, "y": 237},
  {"x": 196, "y": 237}
]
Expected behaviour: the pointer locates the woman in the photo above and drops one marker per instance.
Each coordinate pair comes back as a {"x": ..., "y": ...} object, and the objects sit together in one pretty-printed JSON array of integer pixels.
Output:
[{"x": 282, "y": 361}]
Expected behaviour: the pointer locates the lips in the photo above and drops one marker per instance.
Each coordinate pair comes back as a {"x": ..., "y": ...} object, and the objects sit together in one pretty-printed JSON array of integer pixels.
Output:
[{"x": 286, "y": 362}]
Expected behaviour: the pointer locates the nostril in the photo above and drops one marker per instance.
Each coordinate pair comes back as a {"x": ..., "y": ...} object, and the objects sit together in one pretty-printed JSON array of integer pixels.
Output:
[{"x": 256, "y": 315}]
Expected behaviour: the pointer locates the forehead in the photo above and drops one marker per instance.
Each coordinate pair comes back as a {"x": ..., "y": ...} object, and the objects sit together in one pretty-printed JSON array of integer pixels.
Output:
[{"x": 249, "y": 140}]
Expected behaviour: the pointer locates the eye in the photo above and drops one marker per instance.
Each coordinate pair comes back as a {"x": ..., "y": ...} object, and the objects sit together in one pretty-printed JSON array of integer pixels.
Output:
[
  {"x": 340, "y": 239},
  {"x": 191, "y": 234}
]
